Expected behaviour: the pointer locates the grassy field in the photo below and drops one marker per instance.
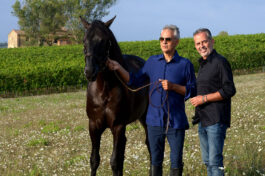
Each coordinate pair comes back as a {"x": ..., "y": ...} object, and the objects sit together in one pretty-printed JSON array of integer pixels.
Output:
[{"x": 48, "y": 135}]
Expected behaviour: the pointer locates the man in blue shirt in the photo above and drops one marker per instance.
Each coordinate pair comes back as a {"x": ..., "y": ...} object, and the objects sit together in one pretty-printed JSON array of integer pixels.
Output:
[{"x": 166, "y": 115}]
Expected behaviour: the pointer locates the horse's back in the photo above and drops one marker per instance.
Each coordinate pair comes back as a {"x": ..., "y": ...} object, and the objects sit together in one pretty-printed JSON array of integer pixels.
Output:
[{"x": 133, "y": 63}]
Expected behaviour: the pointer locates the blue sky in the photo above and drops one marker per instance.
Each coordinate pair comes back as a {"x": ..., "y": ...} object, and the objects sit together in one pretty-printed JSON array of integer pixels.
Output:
[{"x": 139, "y": 20}]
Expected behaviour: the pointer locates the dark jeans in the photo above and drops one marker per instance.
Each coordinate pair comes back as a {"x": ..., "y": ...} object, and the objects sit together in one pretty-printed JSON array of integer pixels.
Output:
[
  {"x": 175, "y": 137},
  {"x": 212, "y": 143}
]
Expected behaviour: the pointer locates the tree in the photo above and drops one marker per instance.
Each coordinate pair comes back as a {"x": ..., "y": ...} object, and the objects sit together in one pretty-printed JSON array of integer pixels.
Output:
[
  {"x": 88, "y": 9},
  {"x": 3, "y": 45},
  {"x": 42, "y": 19},
  {"x": 223, "y": 33}
]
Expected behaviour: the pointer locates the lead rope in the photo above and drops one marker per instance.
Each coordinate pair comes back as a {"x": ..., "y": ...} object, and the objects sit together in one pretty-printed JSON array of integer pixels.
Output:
[
  {"x": 133, "y": 90},
  {"x": 154, "y": 87},
  {"x": 162, "y": 104}
]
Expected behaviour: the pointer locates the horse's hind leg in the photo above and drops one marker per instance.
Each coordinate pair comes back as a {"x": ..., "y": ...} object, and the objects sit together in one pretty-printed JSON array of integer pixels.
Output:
[
  {"x": 95, "y": 136},
  {"x": 119, "y": 142}
]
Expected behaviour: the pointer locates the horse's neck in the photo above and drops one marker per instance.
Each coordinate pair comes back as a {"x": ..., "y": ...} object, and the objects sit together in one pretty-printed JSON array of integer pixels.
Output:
[
  {"x": 116, "y": 54},
  {"x": 106, "y": 80},
  {"x": 100, "y": 83}
]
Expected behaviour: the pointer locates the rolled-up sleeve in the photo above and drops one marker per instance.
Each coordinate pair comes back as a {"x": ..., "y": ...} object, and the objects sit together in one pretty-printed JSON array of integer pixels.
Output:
[
  {"x": 227, "y": 89},
  {"x": 191, "y": 82}
]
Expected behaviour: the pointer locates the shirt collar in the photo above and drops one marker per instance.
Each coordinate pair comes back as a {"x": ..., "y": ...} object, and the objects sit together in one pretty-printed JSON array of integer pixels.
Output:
[
  {"x": 208, "y": 59},
  {"x": 175, "y": 57}
]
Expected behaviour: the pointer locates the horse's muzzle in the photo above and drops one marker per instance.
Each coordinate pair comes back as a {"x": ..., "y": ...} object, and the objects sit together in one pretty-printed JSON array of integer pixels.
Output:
[{"x": 90, "y": 73}]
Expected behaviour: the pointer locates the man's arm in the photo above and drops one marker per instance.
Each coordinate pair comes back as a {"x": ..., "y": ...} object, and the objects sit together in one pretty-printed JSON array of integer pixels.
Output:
[
  {"x": 189, "y": 90},
  {"x": 171, "y": 86},
  {"x": 228, "y": 87},
  {"x": 201, "y": 99}
]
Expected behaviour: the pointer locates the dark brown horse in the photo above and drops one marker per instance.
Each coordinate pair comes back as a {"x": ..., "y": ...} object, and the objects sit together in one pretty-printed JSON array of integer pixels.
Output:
[{"x": 109, "y": 103}]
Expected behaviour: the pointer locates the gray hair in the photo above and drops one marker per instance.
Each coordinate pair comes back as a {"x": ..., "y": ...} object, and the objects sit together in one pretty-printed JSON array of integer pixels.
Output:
[
  {"x": 173, "y": 28},
  {"x": 207, "y": 31}
]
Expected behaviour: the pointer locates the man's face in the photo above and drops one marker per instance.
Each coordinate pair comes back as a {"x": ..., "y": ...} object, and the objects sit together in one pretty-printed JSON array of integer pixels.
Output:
[
  {"x": 168, "y": 42},
  {"x": 203, "y": 45}
]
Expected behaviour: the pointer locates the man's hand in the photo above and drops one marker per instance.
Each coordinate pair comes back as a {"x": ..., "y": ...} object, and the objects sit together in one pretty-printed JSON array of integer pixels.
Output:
[
  {"x": 115, "y": 66},
  {"x": 166, "y": 84},
  {"x": 196, "y": 101},
  {"x": 112, "y": 64},
  {"x": 201, "y": 99}
]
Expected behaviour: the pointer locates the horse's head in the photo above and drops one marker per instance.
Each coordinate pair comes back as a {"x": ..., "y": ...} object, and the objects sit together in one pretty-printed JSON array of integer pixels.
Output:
[{"x": 97, "y": 43}]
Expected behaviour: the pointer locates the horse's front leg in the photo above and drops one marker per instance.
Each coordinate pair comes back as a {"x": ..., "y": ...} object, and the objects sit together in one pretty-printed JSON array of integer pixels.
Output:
[
  {"x": 95, "y": 136},
  {"x": 119, "y": 142}
]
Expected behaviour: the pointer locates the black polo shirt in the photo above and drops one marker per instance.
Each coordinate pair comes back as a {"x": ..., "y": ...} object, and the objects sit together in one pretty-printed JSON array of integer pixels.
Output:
[{"x": 214, "y": 75}]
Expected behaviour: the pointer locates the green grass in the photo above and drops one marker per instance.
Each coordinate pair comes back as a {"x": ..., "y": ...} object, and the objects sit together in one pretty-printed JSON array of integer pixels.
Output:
[
  {"x": 40, "y": 141},
  {"x": 48, "y": 135}
]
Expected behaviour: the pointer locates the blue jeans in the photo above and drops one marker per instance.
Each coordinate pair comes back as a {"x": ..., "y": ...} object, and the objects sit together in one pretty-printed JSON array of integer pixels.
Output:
[
  {"x": 175, "y": 137},
  {"x": 212, "y": 144}
]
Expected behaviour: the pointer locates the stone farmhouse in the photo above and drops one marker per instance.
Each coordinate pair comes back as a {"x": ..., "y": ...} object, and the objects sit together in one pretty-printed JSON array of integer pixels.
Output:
[{"x": 17, "y": 38}]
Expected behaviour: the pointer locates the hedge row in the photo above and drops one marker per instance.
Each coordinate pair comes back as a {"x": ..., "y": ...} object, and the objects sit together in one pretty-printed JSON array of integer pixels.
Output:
[
  {"x": 242, "y": 51},
  {"x": 34, "y": 68}
]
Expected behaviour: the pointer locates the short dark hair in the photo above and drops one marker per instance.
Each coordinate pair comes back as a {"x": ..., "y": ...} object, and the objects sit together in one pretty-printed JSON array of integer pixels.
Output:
[{"x": 207, "y": 31}]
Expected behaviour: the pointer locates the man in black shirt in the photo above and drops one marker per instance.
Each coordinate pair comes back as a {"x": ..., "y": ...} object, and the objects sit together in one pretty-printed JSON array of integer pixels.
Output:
[{"x": 215, "y": 87}]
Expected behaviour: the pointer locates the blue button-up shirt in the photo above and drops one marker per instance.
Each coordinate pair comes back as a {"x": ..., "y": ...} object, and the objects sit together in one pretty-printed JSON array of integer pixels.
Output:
[{"x": 178, "y": 71}]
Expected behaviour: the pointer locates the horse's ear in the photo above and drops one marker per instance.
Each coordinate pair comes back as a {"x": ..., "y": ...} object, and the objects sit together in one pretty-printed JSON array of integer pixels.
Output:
[
  {"x": 108, "y": 23},
  {"x": 85, "y": 23}
]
